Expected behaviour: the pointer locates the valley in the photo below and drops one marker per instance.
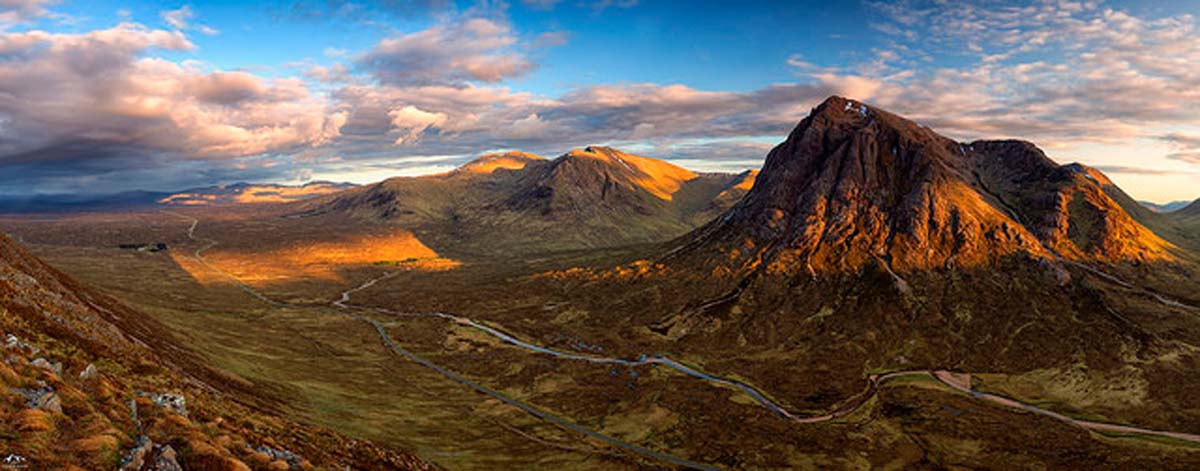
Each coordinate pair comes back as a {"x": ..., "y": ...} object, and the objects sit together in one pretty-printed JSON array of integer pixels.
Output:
[{"x": 446, "y": 328}]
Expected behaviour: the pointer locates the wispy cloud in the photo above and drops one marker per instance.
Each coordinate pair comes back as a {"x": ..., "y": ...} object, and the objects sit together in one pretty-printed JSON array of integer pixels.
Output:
[
  {"x": 1055, "y": 71},
  {"x": 181, "y": 19},
  {"x": 19, "y": 11}
]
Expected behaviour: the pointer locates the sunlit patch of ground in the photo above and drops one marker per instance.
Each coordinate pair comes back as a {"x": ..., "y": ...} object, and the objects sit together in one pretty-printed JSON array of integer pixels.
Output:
[
  {"x": 507, "y": 161},
  {"x": 318, "y": 260},
  {"x": 283, "y": 194},
  {"x": 660, "y": 178},
  {"x": 199, "y": 272},
  {"x": 253, "y": 194}
]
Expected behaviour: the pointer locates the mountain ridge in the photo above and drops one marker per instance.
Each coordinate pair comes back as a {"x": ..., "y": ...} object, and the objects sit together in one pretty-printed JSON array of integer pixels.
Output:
[{"x": 585, "y": 198}]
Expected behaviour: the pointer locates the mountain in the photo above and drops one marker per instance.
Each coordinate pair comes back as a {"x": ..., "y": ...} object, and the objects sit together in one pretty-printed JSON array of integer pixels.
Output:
[
  {"x": 90, "y": 382},
  {"x": 71, "y": 203},
  {"x": 1165, "y": 207},
  {"x": 586, "y": 198},
  {"x": 854, "y": 185},
  {"x": 490, "y": 163}
]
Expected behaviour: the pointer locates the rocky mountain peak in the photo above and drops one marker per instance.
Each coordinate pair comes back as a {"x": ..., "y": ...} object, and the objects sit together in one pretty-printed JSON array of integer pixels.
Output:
[{"x": 854, "y": 185}]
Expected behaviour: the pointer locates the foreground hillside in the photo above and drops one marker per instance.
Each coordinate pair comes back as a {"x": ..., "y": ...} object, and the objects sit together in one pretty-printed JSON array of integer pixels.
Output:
[{"x": 91, "y": 384}]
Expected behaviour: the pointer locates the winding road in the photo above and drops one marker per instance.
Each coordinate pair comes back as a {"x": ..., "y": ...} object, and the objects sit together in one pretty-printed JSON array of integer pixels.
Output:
[{"x": 949, "y": 379}]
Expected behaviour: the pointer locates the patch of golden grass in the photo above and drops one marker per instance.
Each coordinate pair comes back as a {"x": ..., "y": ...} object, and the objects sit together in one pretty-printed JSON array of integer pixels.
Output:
[
  {"x": 319, "y": 260},
  {"x": 33, "y": 420},
  {"x": 282, "y": 194}
]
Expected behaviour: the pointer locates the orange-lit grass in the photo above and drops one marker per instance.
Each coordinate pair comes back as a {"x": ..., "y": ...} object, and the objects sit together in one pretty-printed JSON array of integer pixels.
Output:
[
  {"x": 274, "y": 194},
  {"x": 316, "y": 260}
]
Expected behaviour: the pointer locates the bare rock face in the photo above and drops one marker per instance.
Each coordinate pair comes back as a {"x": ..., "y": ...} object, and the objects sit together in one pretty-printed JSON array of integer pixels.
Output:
[{"x": 854, "y": 185}]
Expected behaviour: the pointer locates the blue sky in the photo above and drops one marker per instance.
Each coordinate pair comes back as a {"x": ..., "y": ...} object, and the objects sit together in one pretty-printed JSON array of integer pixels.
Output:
[{"x": 179, "y": 94}]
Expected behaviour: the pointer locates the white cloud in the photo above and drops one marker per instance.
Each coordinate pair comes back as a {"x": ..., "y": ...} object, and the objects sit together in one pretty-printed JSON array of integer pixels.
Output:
[
  {"x": 413, "y": 121},
  {"x": 179, "y": 18},
  {"x": 1056, "y": 72}
]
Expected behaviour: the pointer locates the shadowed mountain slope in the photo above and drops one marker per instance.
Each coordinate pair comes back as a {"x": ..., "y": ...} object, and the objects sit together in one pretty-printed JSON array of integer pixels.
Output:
[{"x": 1181, "y": 226}]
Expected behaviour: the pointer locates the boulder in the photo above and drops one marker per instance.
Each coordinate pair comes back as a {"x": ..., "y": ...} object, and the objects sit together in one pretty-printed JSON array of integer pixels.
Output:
[
  {"x": 89, "y": 372},
  {"x": 45, "y": 364},
  {"x": 136, "y": 458},
  {"x": 173, "y": 402},
  {"x": 166, "y": 460},
  {"x": 48, "y": 402}
]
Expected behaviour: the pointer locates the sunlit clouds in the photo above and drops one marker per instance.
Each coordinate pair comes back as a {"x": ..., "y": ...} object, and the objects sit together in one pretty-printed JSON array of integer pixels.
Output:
[{"x": 1085, "y": 80}]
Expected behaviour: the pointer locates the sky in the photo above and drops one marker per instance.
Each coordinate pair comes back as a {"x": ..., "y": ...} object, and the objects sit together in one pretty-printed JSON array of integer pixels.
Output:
[{"x": 106, "y": 96}]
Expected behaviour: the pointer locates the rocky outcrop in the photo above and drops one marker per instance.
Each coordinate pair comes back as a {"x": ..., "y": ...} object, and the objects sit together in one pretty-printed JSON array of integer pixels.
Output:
[
  {"x": 41, "y": 398},
  {"x": 45, "y": 364},
  {"x": 172, "y": 402},
  {"x": 89, "y": 372}
]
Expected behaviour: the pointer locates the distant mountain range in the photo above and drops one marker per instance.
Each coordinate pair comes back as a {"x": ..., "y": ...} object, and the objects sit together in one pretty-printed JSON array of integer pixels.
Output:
[
  {"x": 1167, "y": 207},
  {"x": 237, "y": 193}
]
